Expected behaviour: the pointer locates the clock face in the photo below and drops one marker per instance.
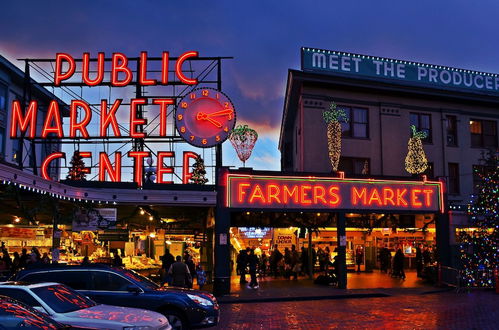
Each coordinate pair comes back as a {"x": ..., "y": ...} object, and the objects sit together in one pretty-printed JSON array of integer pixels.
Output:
[{"x": 204, "y": 117}]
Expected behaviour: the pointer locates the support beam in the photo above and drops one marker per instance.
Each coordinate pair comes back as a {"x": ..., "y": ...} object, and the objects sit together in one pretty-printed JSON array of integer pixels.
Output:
[
  {"x": 221, "y": 283},
  {"x": 342, "y": 251},
  {"x": 442, "y": 229}
]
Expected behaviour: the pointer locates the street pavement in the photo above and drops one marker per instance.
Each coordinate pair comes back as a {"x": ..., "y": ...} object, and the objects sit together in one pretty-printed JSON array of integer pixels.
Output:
[{"x": 445, "y": 310}]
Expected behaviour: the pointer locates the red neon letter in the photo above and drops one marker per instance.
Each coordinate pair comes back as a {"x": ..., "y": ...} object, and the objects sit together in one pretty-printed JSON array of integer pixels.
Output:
[
  {"x": 143, "y": 71},
  {"x": 17, "y": 119},
  {"x": 334, "y": 191},
  {"x": 53, "y": 115},
  {"x": 107, "y": 118},
  {"x": 374, "y": 197},
  {"x": 85, "y": 154},
  {"x": 414, "y": 198},
  {"x": 319, "y": 193},
  {"x": 303, "y": 194},
  {"x": 164, "y": 67},
  {"x": 400, "y": 197},
  {"x": 356, "y": 195},
  {"x": 117, "y": 67},
  {"x": 138, "y": 164},
  {"x": 186, "y": 174},
  {"x": 136, "y": 121},
  {"x": 161, "y": 170},
  {"x": 73, "y": 116},
  {"x": 273, "y": 192},
  {"x": 427, "y": 194},
  {"x": 59, "y": 76},
  {"x": 257, "y": 193},
  {"x": 241, "y": 192},
  {"x": 106, "y": 166},
  {"x": 47, "y": 161},
  {"x": 293, "y": 193},
  {"x": 388, "y": 195},
  {"x": 86, "y": 69},
  {"x": 163, "y": 104},
  {"x": 178, "y": 68}
]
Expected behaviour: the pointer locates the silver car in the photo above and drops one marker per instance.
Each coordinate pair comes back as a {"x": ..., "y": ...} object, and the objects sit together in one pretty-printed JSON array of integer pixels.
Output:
[{"x": 67, "y": 306}]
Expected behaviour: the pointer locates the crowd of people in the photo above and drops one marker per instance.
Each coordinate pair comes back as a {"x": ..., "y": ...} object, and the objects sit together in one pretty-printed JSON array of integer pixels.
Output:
[
  {"x": 395, "y": 266},
  {"x": 181, "y": 273},
  {"x": 9, "y": 265}
]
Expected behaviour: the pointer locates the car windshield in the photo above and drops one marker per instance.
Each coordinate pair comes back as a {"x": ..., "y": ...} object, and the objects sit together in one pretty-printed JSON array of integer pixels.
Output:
[
  {"x": 143, "y": 281},
  {"x": 31, "y": 318},
  {"x": 63, "y": 299}
]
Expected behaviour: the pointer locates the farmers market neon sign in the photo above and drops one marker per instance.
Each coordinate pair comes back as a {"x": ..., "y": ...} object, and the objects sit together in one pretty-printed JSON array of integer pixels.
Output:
[
  {"x": 24, "y": 122},
  {"x": 295, "y": 192}
]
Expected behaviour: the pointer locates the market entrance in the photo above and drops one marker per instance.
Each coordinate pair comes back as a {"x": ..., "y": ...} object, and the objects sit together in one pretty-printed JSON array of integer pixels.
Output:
[
  {"x": 372, "y": 243},
  {"x": 352, "y": 225}
]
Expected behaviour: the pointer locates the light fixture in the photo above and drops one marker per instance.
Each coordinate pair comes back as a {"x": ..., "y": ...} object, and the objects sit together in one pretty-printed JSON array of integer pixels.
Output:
[
  {"x": 142, "y": 212},
  {"x": 168, "y": 242},
  {"x": 151, "y": 218},
  {"x": 17, "y": 220},
  {"x": 152, "y": 235}
]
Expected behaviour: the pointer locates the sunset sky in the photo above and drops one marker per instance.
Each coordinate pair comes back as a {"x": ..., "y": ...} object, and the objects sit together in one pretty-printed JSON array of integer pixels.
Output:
[{"x": 264, "y": 37}]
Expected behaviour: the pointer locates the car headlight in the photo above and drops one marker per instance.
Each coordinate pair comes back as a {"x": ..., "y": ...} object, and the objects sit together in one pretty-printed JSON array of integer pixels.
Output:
[
  {"x": 146, "y": 327},
  {"x": 200, "y": 300}
]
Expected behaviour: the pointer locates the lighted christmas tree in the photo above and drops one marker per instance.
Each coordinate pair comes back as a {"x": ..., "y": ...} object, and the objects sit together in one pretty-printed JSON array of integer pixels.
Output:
[
  {"x": 333, "y": 118},
  {"x": 199, "y": 171},
  {"x": 480, "y": 244},
  {"x": 77, "y": 171},
  {"x": 415, "y": 161}
]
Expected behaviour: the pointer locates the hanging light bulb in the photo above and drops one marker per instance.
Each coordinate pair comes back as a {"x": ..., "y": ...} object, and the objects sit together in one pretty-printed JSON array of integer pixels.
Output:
[
  {"x": 151, "y": 218},
  {"x": 142, "y": 212}
]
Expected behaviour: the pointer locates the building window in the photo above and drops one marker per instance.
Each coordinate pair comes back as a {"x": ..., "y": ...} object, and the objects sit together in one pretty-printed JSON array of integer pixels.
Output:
[
  {"x": 423, "y": 123},
  {"x": 358, "y": 123},
  {"x": 483, "y": 133},
  {"x": 451, "y": 131},
  {"x": 16, "y": 151},
  {"x": 453, "y": 182},
  {"x": 354, "y": 166},
  {"x": 430, "y": 174}
]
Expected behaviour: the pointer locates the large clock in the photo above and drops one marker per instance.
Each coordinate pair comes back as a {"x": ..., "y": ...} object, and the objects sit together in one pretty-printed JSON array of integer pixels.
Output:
[{"x": 205, "y": 117}]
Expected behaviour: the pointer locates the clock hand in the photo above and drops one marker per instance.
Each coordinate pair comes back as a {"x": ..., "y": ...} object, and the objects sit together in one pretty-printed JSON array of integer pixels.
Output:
[
  {"x": 221, "y": 113},
  {"x": 204, "y": 116}
]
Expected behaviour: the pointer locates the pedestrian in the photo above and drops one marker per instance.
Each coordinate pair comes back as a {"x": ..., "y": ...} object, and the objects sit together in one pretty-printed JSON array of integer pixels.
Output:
[
  {"x": 327, "y": 259},
  {"x": 181, "y": 276},
  {"x": 192, "y": 269},
  {"x": 6, "y": 258},
  {"x": 117, "y": 261},
  {"x": 426, "y": 256},
  {"x": 314, "y": 258},
  {"x": 359, "y": 257},
  {"x": 45, "y": 259},
  {"x": 304, "y": 260},
  {"x": 16, "y": 262},
  {"x": 23, "y": 259},
  {"x": 241, "y": 266},
  {"x": 398, "y": 264},
  {"x": 295, "y": 262},
  {"x": 419, "y": 261},
  {"x": 275, "y": 259},
  {"x": 252, "y": 265},
  {"x": 200, "y": 276},
  {"x": 166, "y": 261},
  {"x": 263, "y": 264}
]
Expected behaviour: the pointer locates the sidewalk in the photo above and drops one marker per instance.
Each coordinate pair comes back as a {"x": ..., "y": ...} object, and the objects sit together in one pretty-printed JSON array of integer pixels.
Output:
[{"x": 360, "y": 285}]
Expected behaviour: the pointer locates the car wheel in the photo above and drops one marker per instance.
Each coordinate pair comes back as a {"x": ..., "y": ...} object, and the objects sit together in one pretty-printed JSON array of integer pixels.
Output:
[{"x": 176, "y": 320}]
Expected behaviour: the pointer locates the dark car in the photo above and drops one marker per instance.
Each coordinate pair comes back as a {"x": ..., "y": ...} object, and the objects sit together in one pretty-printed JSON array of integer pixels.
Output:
[
  {"x": 14, "y": 314},
  {"x": 184, "y": 308}
]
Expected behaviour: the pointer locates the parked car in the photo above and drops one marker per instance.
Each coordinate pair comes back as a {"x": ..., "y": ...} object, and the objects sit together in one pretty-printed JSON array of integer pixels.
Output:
[
  {"x": 15, "y": 314},
  {"x": 184, "y": 308},
  {"x": 67, "y": 306}
]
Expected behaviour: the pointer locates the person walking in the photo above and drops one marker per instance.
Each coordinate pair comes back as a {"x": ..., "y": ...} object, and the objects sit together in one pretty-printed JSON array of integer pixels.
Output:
[
  {"x": 192, "y": 268},
  {"x": 275, "y": 258},
  {"x": 241, "y": 265},
  {"x": 398, "y": 264},
  {"x": 304, "y": 260},
  {"x": 295, "y": 262},
  {"x": 200, "y": 276},
  {"x": 419, "y": 261},
  {"x": 263, "y": 264},
  {"x": 166, "y": 261},
  {"x": 252, "y": 265},
  {"x": 16, "y": 263},
  {"x": 287, "y": 263},
  {"x": 359, "y": 257},
  {"x": 181, "y": 276}
]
